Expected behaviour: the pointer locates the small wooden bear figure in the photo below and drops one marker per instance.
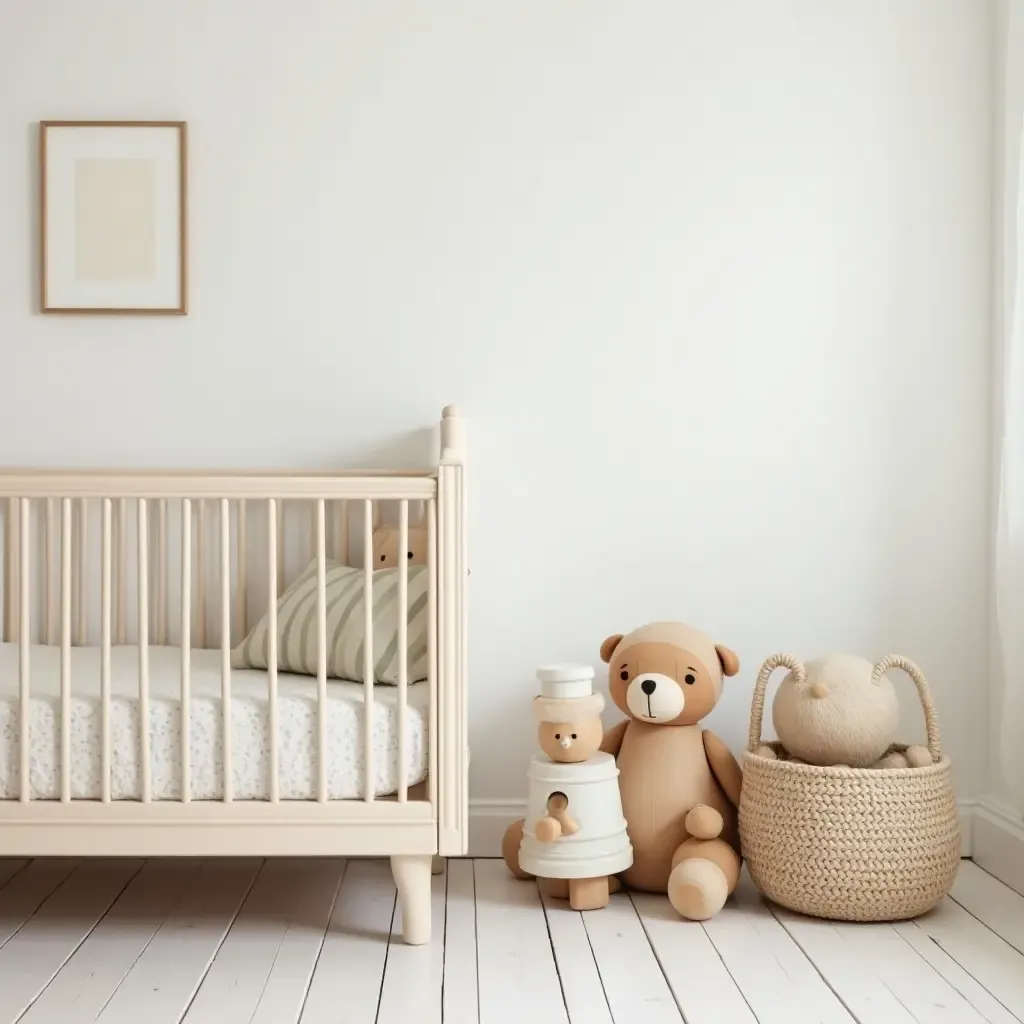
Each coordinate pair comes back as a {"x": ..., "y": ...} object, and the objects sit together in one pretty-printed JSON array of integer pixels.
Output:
[{"x": 574, "y": 835}]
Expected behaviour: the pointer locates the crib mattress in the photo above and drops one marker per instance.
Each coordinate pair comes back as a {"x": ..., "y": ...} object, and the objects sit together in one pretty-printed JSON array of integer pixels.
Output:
[{"x": 250, "y": 729}]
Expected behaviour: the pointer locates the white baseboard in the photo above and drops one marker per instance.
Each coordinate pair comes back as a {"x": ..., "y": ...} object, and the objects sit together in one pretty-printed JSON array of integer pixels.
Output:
[
  {"x": 998, "y": 841},
  {"x": 488, "y": 820}
]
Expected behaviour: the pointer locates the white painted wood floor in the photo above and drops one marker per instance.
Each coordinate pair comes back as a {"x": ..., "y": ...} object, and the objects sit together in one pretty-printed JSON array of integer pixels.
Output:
[{"x": 232, "y": 941}]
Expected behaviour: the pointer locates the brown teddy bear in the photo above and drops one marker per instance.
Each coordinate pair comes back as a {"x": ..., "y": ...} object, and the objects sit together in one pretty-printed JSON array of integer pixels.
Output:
[{"x": 680, "y": 784}]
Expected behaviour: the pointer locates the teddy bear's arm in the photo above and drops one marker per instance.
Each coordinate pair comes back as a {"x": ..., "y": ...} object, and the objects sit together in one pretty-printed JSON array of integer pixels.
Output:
[
  {"x": 723, "y": 766},
  {"x": 613, "y": 738}
]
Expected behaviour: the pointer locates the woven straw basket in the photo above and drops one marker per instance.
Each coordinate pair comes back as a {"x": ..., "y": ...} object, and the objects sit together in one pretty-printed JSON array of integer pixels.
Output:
[{"x": 851, "y": 844}]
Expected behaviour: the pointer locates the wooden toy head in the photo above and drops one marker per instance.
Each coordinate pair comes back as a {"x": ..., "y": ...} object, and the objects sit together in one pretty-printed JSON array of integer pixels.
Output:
[{"x": 570, "y": 742}]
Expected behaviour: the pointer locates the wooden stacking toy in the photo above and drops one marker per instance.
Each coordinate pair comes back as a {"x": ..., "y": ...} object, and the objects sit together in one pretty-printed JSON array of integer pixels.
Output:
[{"x": 574, "y": 830}]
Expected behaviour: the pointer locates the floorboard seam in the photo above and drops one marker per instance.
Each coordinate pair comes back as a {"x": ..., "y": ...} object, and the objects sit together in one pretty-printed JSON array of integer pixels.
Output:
[
  {"x": 554, "y": 956},
  {"x": 938, "y": 945},
  {"x": 987, "y": 926},
  {"x": 223, "y": 939},
  {"x": 817, "y": 970},
  {"x": 387, "y": 951},
  {"x": 79, "y": 945},
  {"x": 35, "y": 910},
  {"x": 16, "y": 874},
  {"x": 323, "y": 941}
]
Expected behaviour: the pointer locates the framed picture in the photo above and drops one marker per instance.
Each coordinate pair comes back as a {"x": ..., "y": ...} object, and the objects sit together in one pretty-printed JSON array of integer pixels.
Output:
[{"x": 113, "y": 216}]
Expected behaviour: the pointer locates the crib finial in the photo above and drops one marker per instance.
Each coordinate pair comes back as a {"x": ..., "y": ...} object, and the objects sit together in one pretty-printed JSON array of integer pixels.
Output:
[{"x": 453, "y": 435}]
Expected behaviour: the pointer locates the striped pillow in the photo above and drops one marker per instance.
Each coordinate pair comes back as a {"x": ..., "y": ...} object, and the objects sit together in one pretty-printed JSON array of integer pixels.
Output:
[{"x": 297, "y": 626}]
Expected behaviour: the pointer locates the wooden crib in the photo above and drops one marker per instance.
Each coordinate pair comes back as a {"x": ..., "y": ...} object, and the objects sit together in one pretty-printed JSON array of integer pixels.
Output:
[{"x": 125, "y": 726}]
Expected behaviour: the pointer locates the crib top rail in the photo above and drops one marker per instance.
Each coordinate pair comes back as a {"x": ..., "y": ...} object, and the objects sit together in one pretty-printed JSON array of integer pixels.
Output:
[{"x": 256, "y": 484}]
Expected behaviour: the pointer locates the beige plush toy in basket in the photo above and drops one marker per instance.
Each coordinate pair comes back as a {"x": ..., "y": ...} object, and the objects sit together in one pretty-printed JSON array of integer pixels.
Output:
[{"x": 853, "y": 844}]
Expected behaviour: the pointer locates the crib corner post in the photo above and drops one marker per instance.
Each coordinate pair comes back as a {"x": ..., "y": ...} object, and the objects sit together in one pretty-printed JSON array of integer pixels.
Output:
[
  {"x": 452, "y": 575},
  {"x": 11, "y": 546},
  {"x": 453, "y": 435}
]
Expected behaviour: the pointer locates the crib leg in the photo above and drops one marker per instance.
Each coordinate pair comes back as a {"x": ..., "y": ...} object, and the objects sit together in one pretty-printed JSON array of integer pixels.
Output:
[
  {"x": 437, "y": 865},
  {"x": 412, "y": 877}
]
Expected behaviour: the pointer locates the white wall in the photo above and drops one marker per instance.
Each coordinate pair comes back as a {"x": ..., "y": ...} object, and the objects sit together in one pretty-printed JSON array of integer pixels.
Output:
[{"x": 711, "y": 281}]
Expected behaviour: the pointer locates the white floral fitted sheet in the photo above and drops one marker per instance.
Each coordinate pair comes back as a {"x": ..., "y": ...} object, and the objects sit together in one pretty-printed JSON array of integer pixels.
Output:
[{"x": 250, "y": 729}]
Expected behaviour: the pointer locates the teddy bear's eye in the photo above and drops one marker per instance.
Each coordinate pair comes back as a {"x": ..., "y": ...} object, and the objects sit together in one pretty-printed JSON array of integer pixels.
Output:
[
  {"x": 558, "y": 735},
  {"x": 690, "y": 678},
  {"x": 624, "y": 675},
  {"x": 574, "y": 735}
]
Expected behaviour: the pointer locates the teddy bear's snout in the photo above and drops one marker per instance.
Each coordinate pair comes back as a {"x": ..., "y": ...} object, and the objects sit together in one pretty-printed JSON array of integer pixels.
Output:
[{"x": 655, "y": 697}]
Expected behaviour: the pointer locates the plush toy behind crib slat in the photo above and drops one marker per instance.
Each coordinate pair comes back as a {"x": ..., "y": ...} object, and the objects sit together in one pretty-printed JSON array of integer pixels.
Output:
[{"x": 385, "y": 547}]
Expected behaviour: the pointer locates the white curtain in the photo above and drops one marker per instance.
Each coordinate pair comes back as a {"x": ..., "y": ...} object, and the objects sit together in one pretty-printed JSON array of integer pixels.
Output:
[{"x": 1009, "y": 463}]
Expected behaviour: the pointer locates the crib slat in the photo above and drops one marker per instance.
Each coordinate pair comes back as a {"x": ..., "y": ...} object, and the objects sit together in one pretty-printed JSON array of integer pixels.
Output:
[
  {"x": 272, "y": 593},
  {"x": 122, "y": 559},
  {"x": 186, "y": 648},
  {"x": 142, "y": 538},
  {"x": 271, "y": 639},
  {"x": 161, "y": 572},
  {"x": 368, "y": 662},
  {"x": 225, "y": 642},
  {"x": 83, "y": 571},
  {"x": 11, "y": 576},
  {"x": 24, "y": 698},
  {"x": 242, "y": 595},
  {"x": 341, "y": 540},
  {"x": 432, "y": 648},
  {"x": 321, "y": 651},
  {"x": 403, "y": 645},
  {"x": 105, "y": 651},
  {"x": 311, "y": 545},
  {"x": 48, "y": 588},
  {"x": 201, "y": 574},
  {"x": 280, "y": 549},
  {"x": 65, "y": 651}
]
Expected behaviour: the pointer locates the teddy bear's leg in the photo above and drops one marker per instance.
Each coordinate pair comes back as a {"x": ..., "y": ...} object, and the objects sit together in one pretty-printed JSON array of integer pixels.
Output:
[
  {"x": 588, "y": 893},
  {"x": 554, "y": 888},
  {"x": 510, "y": 848},
  {"x": 704, "y": 873}
]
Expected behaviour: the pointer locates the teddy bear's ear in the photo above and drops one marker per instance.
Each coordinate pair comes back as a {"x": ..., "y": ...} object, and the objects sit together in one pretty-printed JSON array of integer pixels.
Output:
[
  {"x": 608, "y": 647},
  {"x": 730, "y": 663}
]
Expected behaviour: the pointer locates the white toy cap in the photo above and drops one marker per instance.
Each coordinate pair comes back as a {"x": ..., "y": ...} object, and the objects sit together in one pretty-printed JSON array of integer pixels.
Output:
[{"x": 566, "y": 694}]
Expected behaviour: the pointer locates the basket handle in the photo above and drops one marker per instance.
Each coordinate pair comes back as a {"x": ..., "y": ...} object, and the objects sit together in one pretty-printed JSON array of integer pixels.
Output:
[
  {"x": 757, "y": 708},
  {"x": 931, "y": 719}
]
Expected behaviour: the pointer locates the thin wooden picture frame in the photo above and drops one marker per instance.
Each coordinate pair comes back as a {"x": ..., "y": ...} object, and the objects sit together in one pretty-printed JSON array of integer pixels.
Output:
[{"x": 178, "y": 218}]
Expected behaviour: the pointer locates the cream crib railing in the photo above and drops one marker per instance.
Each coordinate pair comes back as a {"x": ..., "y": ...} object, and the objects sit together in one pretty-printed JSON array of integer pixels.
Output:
[{"x": 69, "y": 535}]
